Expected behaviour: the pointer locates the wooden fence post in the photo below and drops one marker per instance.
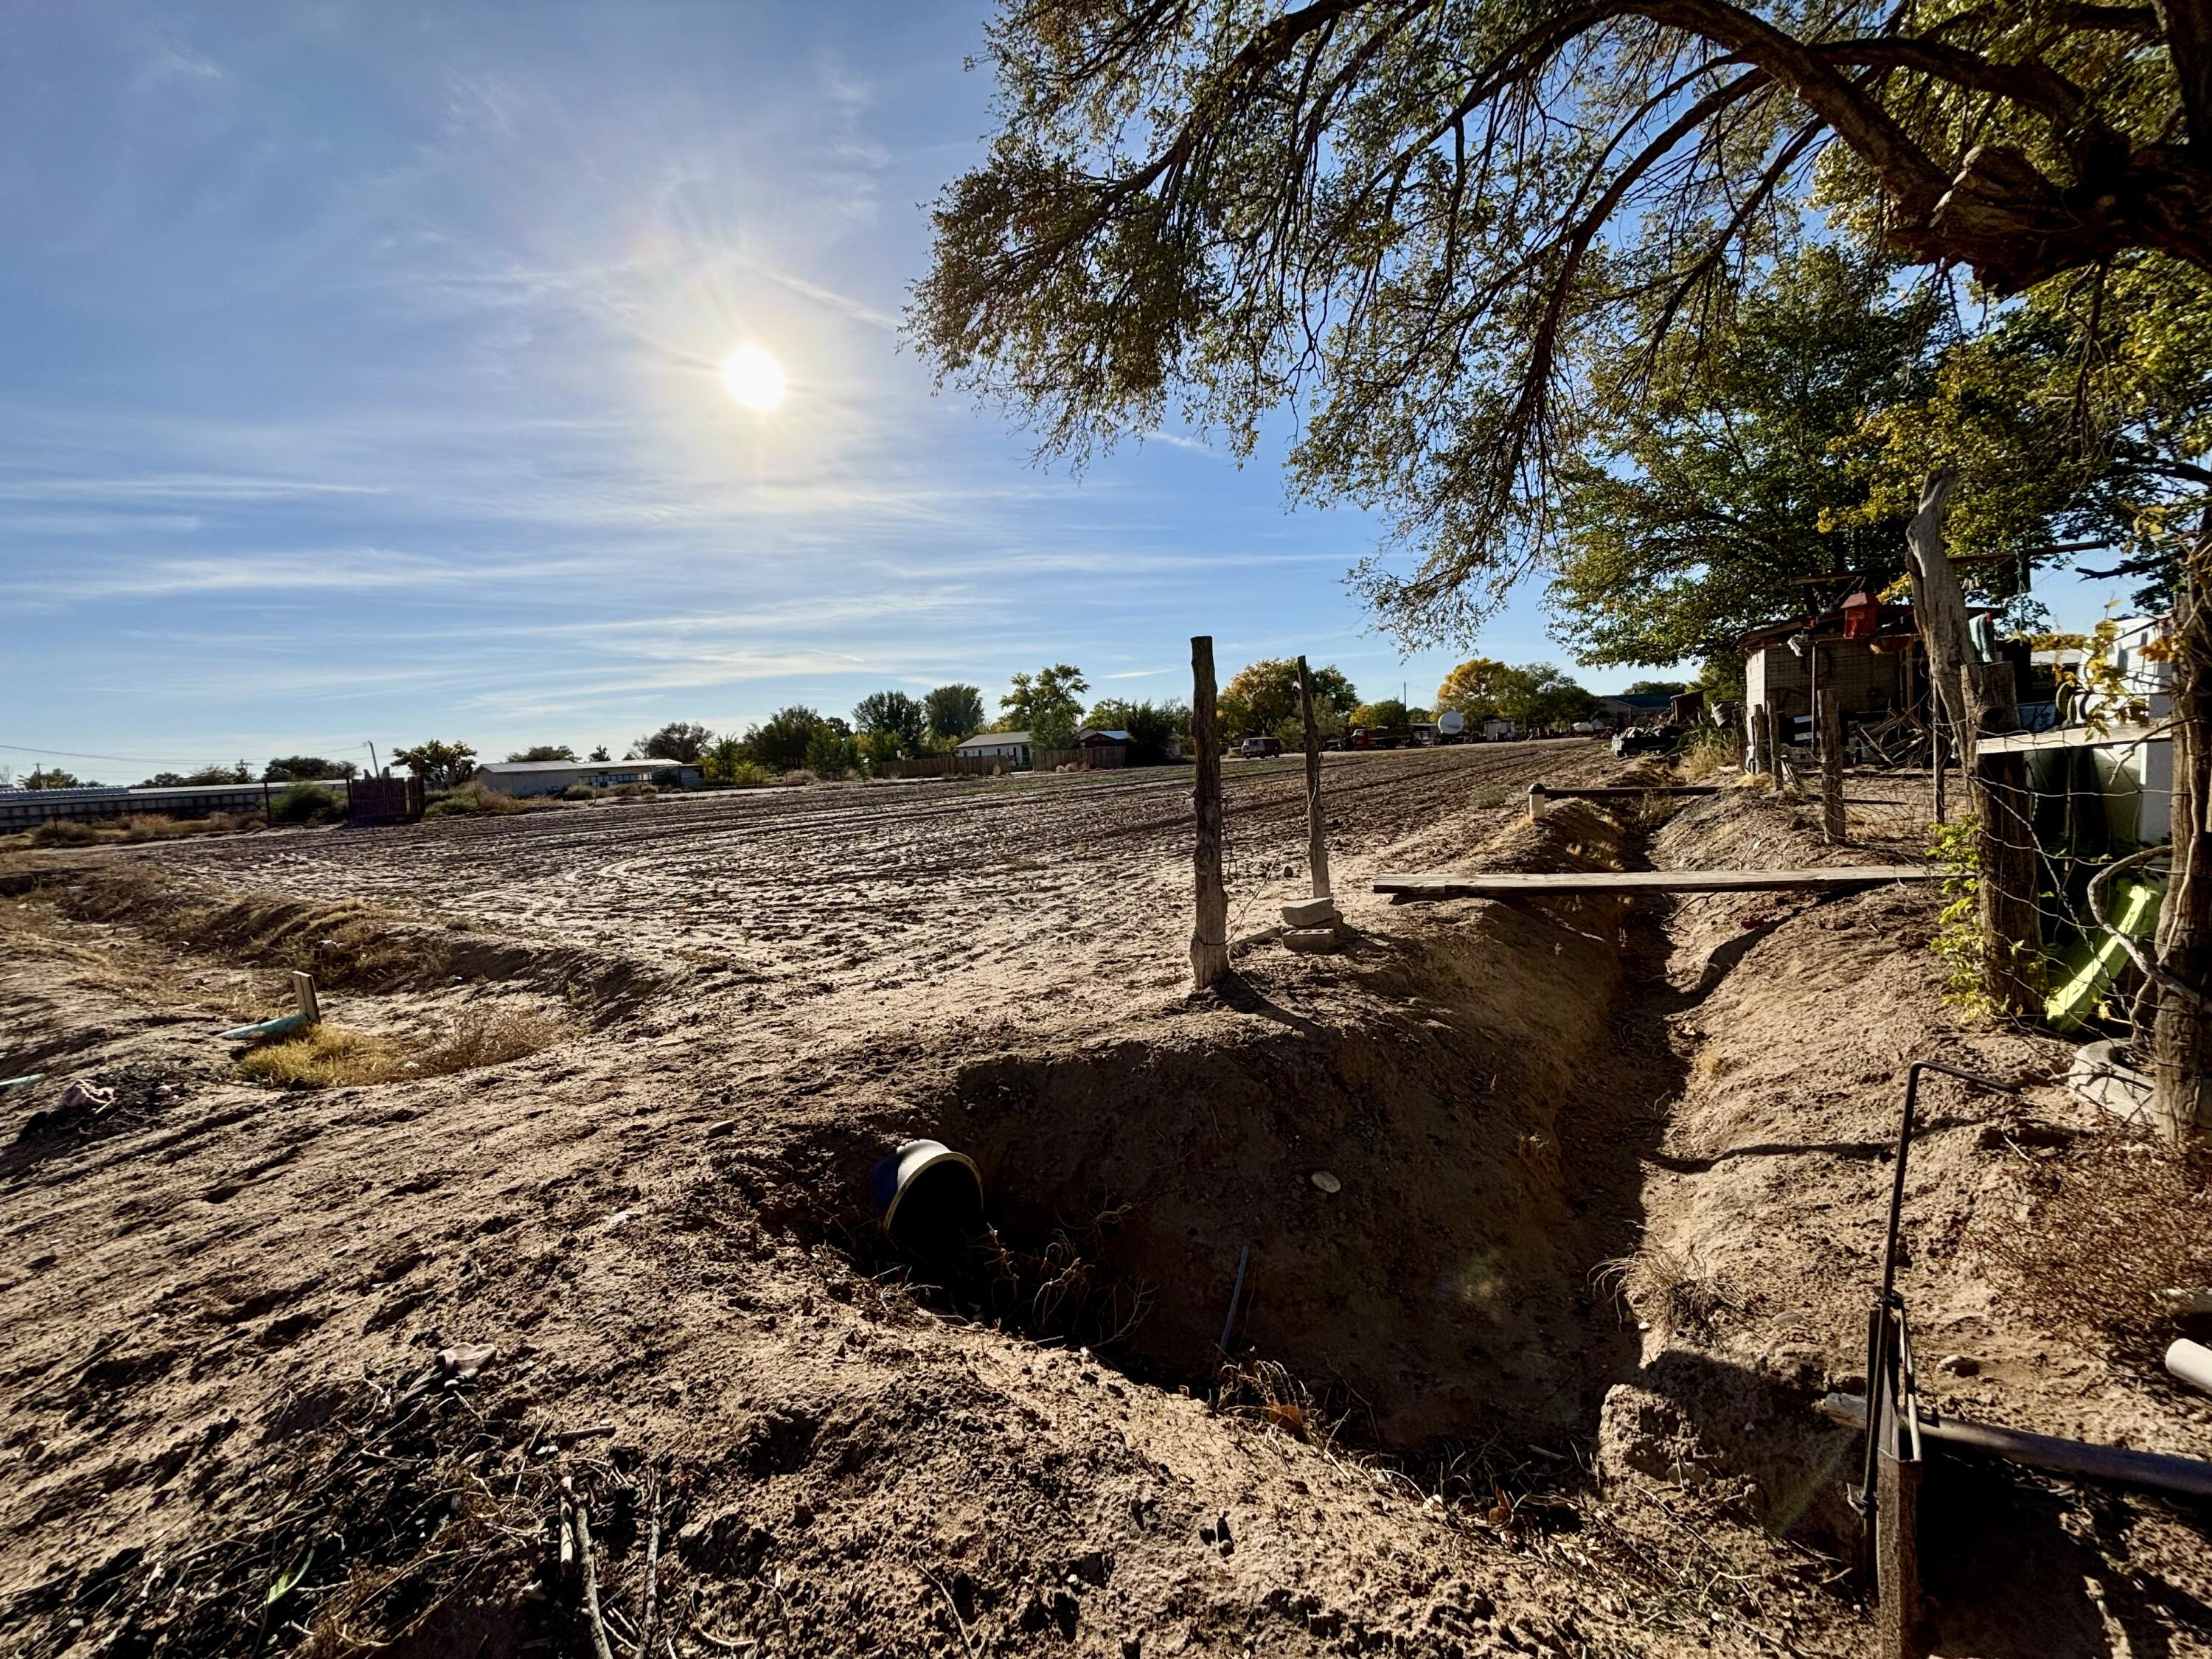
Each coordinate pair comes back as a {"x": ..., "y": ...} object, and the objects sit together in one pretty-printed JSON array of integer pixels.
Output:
[
  {"x": 1833, "y": 828},
  {"x": 1775, "y": 745},
  {"x": 2012, "y": 925},
  {"x": 1316, "y": 830},
  {"x": 1762, "y": 741},
  {"x": 1209, "y": 940},
  {"x": 1938, "y": 759}
]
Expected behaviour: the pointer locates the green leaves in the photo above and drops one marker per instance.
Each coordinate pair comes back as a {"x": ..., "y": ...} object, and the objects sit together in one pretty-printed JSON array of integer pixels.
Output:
[{"x": 289, "y": 1581}]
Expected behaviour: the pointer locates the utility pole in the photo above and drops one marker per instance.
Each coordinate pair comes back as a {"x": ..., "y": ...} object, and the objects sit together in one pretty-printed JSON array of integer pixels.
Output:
[{"x": 1209, "y": 940}]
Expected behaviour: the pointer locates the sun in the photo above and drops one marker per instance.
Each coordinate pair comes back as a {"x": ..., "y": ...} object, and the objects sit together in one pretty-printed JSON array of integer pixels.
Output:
[{"x": 753, "y": 378}]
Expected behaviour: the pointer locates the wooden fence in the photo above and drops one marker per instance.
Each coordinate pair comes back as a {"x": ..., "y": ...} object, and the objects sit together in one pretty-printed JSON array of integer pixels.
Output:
[{"x": 945, "y": 766}]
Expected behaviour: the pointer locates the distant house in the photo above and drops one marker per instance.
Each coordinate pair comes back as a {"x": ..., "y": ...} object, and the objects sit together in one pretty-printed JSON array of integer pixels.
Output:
[
  {"x": 551, "y": 777},
  {"x": 1012, "y": 747}
]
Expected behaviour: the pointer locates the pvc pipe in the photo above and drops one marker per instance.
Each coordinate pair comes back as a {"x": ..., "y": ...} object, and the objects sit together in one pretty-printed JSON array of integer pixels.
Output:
[
  {"x": 266, "y": 1028},
  {"x": 21, "y": 1081},
  {"x": 2192, "y": 1363},
  {"x": 2044, "y": 1451}
]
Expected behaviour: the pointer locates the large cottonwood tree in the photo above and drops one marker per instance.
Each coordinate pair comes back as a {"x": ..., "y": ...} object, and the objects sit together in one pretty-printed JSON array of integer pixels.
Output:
[{"x": 1434, "y": 215}]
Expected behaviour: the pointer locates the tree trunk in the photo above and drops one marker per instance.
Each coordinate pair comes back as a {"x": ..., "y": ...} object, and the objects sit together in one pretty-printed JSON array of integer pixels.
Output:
[
  {"x": 1939, "y": 604},
  {"x": 2181, "y": 1097},
  {"x": 1209, "y": 940},
  {"x": 1316, "y": 830},
  {"x": 1977, "y": 699}
]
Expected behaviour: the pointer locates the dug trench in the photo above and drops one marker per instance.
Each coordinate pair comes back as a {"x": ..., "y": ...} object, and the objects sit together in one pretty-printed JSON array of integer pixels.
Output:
[
  {"x": 1593, "y": 1206},
  {"x": 1389, "y": 1202}
]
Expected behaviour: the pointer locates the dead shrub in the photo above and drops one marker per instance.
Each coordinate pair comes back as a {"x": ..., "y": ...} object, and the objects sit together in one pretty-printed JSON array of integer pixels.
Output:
[
  {"x": 69, "y": 832},
  {"x": 158, "y": 826},
  {"x": 480, "y": 799},
  {"x": 488, "y": 1036},
  {"x": 1267, "y": 1392},
  {"x": 2110, "y": 1224}
]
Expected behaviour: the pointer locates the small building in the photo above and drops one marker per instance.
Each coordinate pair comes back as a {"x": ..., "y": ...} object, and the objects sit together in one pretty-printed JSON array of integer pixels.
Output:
[
  {"x": 1866, "y": 652},
  {"x": 1104, "y": 747},
  {"x": 1634, "y": 709},
  {"x": 2120, "y": 751},
  {"x": 551, "y": 777},
  {"x": 1012, "y": 747}
]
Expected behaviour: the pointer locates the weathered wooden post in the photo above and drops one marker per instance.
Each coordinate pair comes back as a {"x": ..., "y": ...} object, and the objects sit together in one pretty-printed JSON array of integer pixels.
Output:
[
  {"x": 1833, "y": 829},
  {"x": 1316, "y": 830},
  {"x": 1762, "y": 741},
  {"x": 1775, "y": 745},
  {"x": 1209, "y": 938},
  {"x": 2012, "y": 924}
]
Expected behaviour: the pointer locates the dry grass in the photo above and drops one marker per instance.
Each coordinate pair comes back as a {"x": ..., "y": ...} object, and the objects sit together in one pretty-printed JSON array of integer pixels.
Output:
[
  {"x": 479, "y": 800},
  {"x": 325, "y": 1056},
  {"x": 333, "y": 1057},
  {"x": 1670, "y": 1289},
  {"x": 133, "y": 829},
  {"x": 2111, "y": 1224},
  {"x": 1705, "y": 757}
]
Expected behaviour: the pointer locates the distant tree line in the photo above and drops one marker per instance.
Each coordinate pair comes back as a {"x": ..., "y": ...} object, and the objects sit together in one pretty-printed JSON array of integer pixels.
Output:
[{"x": 1260, "y": 699}]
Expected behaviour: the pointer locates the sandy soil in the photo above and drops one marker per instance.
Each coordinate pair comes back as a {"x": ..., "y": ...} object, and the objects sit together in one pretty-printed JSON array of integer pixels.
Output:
[{"x": 245, "y": 1405}]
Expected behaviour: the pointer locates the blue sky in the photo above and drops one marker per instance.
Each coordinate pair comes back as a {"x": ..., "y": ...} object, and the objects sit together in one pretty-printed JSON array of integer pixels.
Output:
[{"x": 358, "y": 382}]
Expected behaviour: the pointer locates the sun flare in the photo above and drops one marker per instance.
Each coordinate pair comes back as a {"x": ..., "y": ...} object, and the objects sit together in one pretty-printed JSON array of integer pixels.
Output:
[{"x": 753, "y": 378}]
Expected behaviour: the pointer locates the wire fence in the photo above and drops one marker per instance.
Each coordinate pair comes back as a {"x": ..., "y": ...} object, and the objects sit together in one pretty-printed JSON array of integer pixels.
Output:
[{"x": 2090, "y": 808}]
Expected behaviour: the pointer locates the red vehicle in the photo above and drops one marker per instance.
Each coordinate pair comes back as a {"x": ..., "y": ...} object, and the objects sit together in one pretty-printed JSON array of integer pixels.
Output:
[{"x": 1379, "y": 738}]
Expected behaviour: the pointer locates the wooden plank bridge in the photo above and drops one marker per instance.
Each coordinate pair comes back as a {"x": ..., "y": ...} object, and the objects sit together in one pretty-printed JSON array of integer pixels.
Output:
[{"x": 1495, "y": 885}]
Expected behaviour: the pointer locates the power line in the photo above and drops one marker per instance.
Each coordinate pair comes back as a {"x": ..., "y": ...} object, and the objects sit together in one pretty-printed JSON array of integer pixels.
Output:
[{"x": 139, "y": 760}]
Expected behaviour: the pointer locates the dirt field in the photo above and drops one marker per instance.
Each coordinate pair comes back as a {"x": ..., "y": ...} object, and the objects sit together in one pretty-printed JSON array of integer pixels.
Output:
[{"x": 1532, "y": 1372}]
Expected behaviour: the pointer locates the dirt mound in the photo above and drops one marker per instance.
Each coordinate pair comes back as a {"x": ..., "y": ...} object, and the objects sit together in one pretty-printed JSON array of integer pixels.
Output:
[{"x": 349, "y": 944}]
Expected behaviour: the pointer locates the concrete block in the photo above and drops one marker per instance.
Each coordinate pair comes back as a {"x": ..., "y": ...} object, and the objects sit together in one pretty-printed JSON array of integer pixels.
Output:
[
  {"x": 1311, "y": 913},
  {"x": 1314, "y": 941}
]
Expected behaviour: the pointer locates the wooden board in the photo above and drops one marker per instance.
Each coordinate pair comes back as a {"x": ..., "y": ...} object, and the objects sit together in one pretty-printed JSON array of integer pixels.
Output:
[{"x": 1484, "y": 884}]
